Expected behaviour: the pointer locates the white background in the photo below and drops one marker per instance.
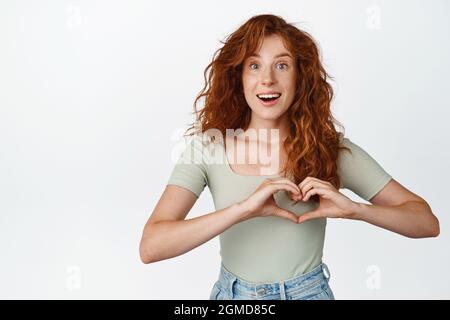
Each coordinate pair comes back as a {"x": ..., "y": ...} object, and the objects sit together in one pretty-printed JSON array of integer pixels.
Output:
[{"x": 92, "y": 92}]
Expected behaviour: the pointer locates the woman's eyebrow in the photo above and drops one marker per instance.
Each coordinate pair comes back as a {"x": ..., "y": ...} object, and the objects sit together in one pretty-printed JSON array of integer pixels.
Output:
[{"x": 283, "y": 54}]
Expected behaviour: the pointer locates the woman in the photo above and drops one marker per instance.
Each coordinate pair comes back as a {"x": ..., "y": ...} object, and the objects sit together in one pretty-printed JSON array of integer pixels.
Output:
[{"x": 267, "y": 78}]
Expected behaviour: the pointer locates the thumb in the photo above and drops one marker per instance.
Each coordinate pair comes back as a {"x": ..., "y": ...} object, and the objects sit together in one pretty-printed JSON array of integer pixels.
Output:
[
  {"x": 309, "y": 216},
  {"x": 285, "y": 214}
]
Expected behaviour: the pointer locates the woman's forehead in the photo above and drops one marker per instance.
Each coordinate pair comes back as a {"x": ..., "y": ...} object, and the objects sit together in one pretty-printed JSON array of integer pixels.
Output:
[{"x": 273, "y": 44}]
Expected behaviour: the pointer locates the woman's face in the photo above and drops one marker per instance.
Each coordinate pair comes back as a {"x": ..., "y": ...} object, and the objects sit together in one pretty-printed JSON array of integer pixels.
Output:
[{"x": 268, "y": 79}]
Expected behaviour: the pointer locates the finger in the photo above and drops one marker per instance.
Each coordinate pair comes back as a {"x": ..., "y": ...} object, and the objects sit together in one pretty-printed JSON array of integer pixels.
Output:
[
  {"x": 305, "y": 181},
  {"x": 282, "y": 186},
  {"x": 309, "y": 216},
  {"x": 314, "y": 191},
  {"x": 294, "y": 195},
  {"x": 314, "y": 182},
  {"x": 283, "y": 180},
  {"x": 285, "y": 214},
  {"x": 286, "y": 186},
  {"x": 305, "y": 188},
  {"x": 313, "y": 185},
  {"x": 297, "y": 197}
]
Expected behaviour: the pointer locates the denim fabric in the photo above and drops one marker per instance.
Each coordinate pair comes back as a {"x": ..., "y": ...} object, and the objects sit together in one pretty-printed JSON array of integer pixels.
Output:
[{"x": 312, "y": 285}]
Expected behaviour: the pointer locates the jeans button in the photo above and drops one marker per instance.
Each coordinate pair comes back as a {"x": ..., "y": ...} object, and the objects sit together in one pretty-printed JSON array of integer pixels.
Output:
[{"x": 261, "y": 291}]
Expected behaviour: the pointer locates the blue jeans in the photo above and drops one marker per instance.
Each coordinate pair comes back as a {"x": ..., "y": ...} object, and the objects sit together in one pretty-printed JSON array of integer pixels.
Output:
[{"x": 312, "y": 285}]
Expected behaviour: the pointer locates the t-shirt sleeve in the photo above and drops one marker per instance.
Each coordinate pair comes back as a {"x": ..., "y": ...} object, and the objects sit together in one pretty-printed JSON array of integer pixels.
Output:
[
  {"x": 359, "y": 172},
  {"x": 191, "y": 170}
]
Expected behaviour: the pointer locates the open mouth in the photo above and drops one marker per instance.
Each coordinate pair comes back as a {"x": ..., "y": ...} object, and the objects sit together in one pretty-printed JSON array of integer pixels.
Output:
[{"x": 269, "y": 98}]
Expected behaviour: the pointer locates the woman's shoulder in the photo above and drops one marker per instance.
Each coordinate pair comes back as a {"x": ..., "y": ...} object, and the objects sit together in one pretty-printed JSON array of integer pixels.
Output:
[
  {"x": 343, "y": 140},
  {"x": 205, "y": 146},
  {"x": 355, "y": 157},
  {"x": 346, "y": 144},
  {"x": 206, "y": 140}
]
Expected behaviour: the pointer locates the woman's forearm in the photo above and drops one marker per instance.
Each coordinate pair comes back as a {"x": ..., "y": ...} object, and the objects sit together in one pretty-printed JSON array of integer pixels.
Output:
[
  {"x": 412, "y": 219},
  {"x": 168, "y": 239}
]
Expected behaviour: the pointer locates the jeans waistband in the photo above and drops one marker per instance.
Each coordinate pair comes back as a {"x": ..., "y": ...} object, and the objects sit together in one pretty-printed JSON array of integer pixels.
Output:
[{"x": 313, "y": 277}]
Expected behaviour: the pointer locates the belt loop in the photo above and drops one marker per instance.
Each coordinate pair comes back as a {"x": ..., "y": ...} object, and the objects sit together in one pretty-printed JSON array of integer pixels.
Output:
[
  {"x": 326, "y": 271},
  {"x": 230, "y": 288},
  {"x": 282, "y": 291}
]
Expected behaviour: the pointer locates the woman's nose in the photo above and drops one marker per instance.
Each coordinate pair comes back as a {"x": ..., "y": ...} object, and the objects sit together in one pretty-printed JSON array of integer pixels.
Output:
[{"x": 267, "y": 77}]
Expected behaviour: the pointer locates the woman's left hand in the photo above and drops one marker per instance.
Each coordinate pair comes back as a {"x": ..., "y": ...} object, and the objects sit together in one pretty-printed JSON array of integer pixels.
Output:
[{"x": 332, "y": 203}]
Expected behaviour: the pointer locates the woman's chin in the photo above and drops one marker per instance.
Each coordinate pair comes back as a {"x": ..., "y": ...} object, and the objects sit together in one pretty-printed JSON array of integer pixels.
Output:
[
  {"x": 259, "y": 111},
  {"x": 267, "y": 114}
]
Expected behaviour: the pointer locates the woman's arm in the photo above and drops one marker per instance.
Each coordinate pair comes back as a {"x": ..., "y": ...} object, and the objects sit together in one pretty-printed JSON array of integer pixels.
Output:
[
  {"x": 397, "y": 209},
  {"x": 167, "y": 239},
  {"x": 411, "y": 219},
  {"x": 166, "y": 233},
  {"x": 394, "y": 208}
]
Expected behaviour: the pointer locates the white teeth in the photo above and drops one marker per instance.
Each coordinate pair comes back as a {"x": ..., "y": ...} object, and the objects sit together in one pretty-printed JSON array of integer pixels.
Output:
[{"x": 267, "y": 96}]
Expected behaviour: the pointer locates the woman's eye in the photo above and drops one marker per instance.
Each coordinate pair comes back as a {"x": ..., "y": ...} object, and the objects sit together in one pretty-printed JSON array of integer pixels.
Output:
[{"x": 281, "y": 66}]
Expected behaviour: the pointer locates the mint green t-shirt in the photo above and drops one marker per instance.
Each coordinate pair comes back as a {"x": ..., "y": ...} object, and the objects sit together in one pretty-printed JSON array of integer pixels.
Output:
[{"x": 269, "y": 249}]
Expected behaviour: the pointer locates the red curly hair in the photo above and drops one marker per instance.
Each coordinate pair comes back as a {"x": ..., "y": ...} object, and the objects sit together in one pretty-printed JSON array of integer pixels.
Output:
[{"x": 313, "y": 144}]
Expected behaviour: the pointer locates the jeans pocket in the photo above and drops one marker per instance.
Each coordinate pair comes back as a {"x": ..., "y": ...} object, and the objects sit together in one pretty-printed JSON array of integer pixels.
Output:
[
  {"x": 329, "y": 292},
  {"x": 321, "y": 291},
  {"x": 217, "y": 292}
]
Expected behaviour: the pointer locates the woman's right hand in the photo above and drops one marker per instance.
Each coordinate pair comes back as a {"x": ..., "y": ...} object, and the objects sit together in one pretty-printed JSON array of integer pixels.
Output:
[{"x": 261, "y": 202}]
